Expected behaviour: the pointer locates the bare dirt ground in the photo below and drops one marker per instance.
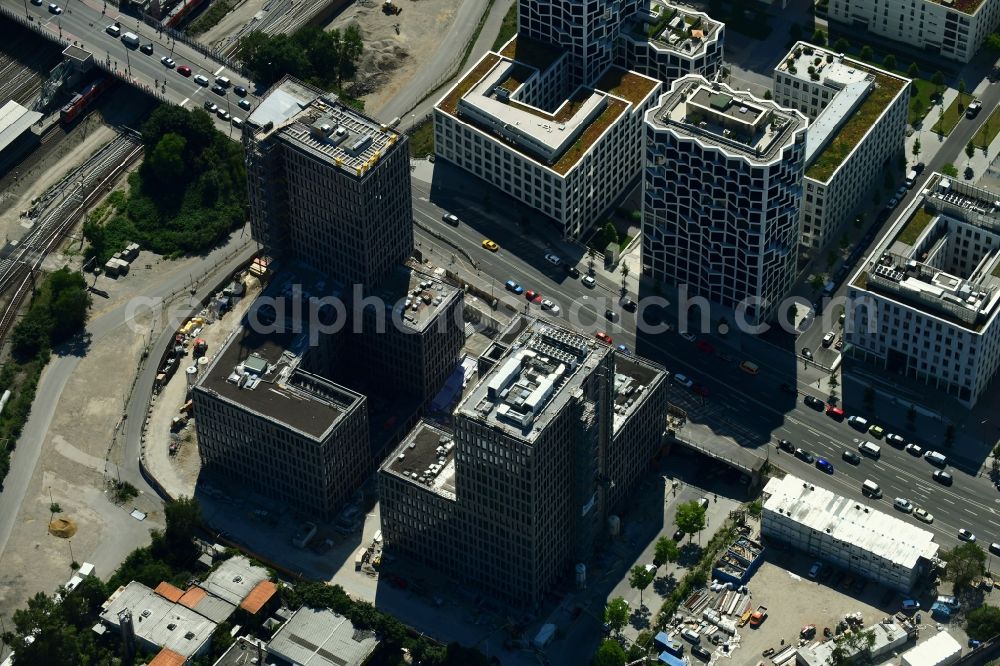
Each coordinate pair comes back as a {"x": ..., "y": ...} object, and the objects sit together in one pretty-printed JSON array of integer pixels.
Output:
[
  {"x": 237, "y": 17},
  {"x": 392, "y": 56}
]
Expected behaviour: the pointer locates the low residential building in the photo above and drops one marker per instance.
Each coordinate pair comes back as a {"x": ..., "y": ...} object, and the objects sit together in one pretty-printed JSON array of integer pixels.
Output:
[
  {"x": 569, "y": 152},
  {"x": 669, "y": 41},
  {"x": 952, "y": 29},
  {"x": 941, "y": 649},
  {"x": 857, "y": 126},
  {"x": 925, "y": 302},
  {"x": 150, "y": 622},
  {"x": 270, "y": 424},
  {"x": 846, "y": 533},
  {"x": 543, "y": 446},
  {"x": 321, "y": 638},
  {"x": 722, "y": 194}
]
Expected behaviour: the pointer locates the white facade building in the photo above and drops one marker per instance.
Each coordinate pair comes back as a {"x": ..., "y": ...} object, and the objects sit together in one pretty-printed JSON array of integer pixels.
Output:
[
  {"x": 846, "y": 533},
  {"x": 857, "y": 124},
  {"x": 721, "y": 194},
  {"x": 925, "y": 302},
  {"x": 955, "y": 29},
  {"x": 941, "y": 649},
  {"x": 668, "y": 41},
  {"x": 511, "y": 122}
]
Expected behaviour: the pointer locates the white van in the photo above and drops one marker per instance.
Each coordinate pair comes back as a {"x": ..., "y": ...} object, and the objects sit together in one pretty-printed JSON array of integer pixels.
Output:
[
  {"x": 870, "y": 489},
  {"x": 936, "y": 459},
  {"x": 691, "y": 636},
  {"x": 870, "y": 449},
  {"x": 223, "y": 81}
]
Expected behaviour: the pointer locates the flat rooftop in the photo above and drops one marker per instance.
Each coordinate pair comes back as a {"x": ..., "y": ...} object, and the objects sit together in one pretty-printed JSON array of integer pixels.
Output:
[
  {"x": 888, "y": 636},
  {"x": 414, "y": 296},
  {"x": 257, "y": 368},
  {"x": 426, "y": 457},
  {"x": 234, "y": 579},
  {"x": 322, "y": 638},
  {"x": 669, "y": 27},
  {"x": 860, "y": 95},
  {"x": 849, "y": 521},
  {"x": 15, "y": 120},
  {"x": 916, "y": 263},
  {"x": 533, "y": 382},
  {"x": 634, "y": 377},
  {"x": 735, "y": 121},
  {"x": 157, "y": 620},
  {"x": 318, "y": 124}
]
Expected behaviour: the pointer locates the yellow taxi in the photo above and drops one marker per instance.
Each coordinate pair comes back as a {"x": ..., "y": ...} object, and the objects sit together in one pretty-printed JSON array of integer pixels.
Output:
[{"x": 490, "y": 245}]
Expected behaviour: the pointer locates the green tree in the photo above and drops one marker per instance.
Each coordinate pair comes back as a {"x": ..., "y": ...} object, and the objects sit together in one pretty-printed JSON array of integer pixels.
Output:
[
  {"x": 755, "y": 508},
  {"x": 937, "y": 80},
  {"x": 993, "y": 42},
  {"x": 867, "y": 53},
  {"x": 767, "y": 94},
  {"x": 610, "y": 653},
  {"x": 665, "y": 551},
  {"x": 833, "y": 381},
  {"x": 591, "y": 254},
  {"x": 970, "y": 149},
  {"x": 889, "y": 61},
  {"x": 819, "y": 38},
  {"x": 949, "y": 170},
  {"x": 916, "y": 148},
  {"x": 166, "y": 162},
  {"x": 966, "y": 562},
  {"x": 690, "y": 517},
  {"x": 616, "y": 614},
  {"x": 639, "y": 578},
  {"x": 841, "y": 45},
  {"x": 183, "y": 518},
  {"x": 853, "y": 649},
  {"x": 913, "y": 71},
  {"x": 983, "y": 623},
  {"x": 610, "y": 234}
]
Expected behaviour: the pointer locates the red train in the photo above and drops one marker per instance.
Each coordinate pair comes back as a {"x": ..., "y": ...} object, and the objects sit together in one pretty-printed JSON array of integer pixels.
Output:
[
  {"x": 84, "y": 98},
  {"x": 177, "y": 14}
]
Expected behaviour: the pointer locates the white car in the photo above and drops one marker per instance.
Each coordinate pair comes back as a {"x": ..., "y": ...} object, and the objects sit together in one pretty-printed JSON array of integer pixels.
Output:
[
  {"x": 552, "y": 259},
  {"x": 549, "y": 305},
  {"x": 903, "y": 504},
  {"x": 223, "y": 115},
  {"x": 923, "y": 515},
  {"x": 690, "y": 337},
  {"x": 168, "y": 62},
  {"x": 914, "y": 450},
  {"x": 201, "y": 80},
  {"x": 588, "y": 281},
  {"x": 55, "y": 9},
  {"x": 966, "y": 535},
  {"x": 210, "y": 106}
]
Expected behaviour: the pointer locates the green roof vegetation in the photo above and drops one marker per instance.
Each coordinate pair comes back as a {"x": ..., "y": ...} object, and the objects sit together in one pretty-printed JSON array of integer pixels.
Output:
[
  {"x": 996, "y": 271},
  {"x": 964, "y": 6},
  {"x": 916, "y": 225},
  {"x": 851, "y": 132},
  {"x": 532, "y": 53},
  {"x": 450, "y": 103},
  {"x": 989, "y": 130},
  {"x": 627, "y": 85},
  {"x": 612, "y": 112},
  {"x": 518, "y": 75}
]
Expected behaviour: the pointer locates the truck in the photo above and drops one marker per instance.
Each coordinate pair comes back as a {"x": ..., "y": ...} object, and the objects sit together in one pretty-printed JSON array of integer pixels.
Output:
[
  {"x": 758, "y": 616},
  {"x": 131, "y": 40}
]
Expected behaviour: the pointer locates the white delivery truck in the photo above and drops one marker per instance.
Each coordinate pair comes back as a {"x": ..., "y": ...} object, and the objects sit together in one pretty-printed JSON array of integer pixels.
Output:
[{"x": 131, "y": 40}]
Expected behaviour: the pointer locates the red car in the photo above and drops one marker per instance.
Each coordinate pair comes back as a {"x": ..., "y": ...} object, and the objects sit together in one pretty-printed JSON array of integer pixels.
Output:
[
  {"x": 533, "y": 296},
  {"x": 701, "y": 390},
  {"x": 603, "y": 337},
  {"x": 835, "y": 412},
  {"x": 705, "y": 346},
  {"x": 184, "y": 70}
]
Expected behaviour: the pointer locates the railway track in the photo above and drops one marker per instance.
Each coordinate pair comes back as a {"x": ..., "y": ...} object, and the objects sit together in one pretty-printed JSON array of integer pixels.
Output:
[
  {"x": 24, "y": 65},
  {"x": 280, "y": 17},
  {"x": 61, "y": 205}
]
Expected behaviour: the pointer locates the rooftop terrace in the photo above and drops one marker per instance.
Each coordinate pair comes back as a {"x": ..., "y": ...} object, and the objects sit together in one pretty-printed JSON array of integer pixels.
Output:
[
  {"x": 534, "y": 381},
  {"x": 735, "y": 121},
  {"x": 415, "y": 297},
  {"x": 633, "y": 379},
  {"x": 675, "y": 28},
  {"x": 426, "y": 457}
]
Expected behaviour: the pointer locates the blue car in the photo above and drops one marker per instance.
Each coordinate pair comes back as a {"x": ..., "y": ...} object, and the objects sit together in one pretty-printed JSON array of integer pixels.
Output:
[
  {"x": 623, "y": 349},
  {"x": 514, "y": 287},
  {"x": 824, "y": 465}
]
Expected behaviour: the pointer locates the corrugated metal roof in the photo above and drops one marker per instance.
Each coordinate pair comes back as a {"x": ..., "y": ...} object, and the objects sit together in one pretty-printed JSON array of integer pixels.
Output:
[
  {"x": 849, "y": 521},
  {"x": 322, "y": 638},
  {"x": 15, "y": 120}
]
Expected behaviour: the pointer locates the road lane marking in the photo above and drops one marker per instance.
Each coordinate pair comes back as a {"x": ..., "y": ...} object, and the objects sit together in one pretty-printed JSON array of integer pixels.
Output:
[
  {"x": 994, "y": 522},
  {"x": 902, "y": 479},
  {"x": 186, "y": 100},
  {"x": 945, "y": 499},
  {"x": 971, "y": 511},
  {"x": 218, "y": 71}
]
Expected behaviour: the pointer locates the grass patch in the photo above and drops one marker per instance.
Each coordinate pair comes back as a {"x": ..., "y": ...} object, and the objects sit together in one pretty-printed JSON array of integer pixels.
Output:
[
  {"x": 450, "y": 103},
  {"x": 422, "y": 139},
  {"x": 924, "y": 92},
  {"x": 851, "y": 133},
  {"x": 911, "y": 232},
  {"x": 210, "y": 17},
  {"x": 612, "y": 112},
  {"x": 989, "y": 130},
  {"x": 952, "y": 115},
  {"x": 507, "y": 29},
  {"x": 627, "y": 85}
]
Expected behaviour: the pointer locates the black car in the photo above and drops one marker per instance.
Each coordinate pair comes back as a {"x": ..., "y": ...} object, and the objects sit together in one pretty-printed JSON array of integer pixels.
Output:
[
  {"x": 805, "y": 456},
  {"x": 679, "y": 535},
  {"x": 919, "y": 167},
  {"x": 701, "y": 653},
  {"x": 611, "y": 315},
  {"x": 851, "y": 457},
  {"x": 785, "y": 445},
  {"x": 814, "y": 402},
  {"x": 571, "y": 271},
  {"x": 240, "y": 90},
  {"x": 806, "y": 353},
  {"x": 943, "y": 477},
  {"x": 219, "y": 90},
  {"x": 147, "y": 48},
  {"x": 629, "y": 304}
]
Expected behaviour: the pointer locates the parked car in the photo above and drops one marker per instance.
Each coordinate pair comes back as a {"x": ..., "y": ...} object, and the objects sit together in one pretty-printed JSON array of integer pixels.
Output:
[
  {"x": 786, "y": 446},
  {"x": 240, "y": 90},
  {"x": 571, "y": 271},
  {"x": 167, "y": 62},
  {"x": 835, "y": 412},
  {"x": 903, "y": 504},
  {"x": 814, "y": 402},
  {"x": 910, "y": 605},
  {"x": 895, "y": 440},
  {"x": 603, "y": 337},
  {"x": 824, "y": 465},
  {"x": 679, "y": 535},
  {"x": 184, "y": 70},
  {"x": 552, "y": 259},
  {"x": 549, "y": 305},
  {"x": 876, "y": 431},
  {"x": 829, "y": 338},
  {"x": 805, "y": 456},
  {"x": 973, "y": 109},
  {"x": 588, "y": 281},
  {"x": 913, "y": 450},
  {"x": 815, "y": 569},
  {"x": 510, "y": 285},
  {"x": 806, "y": 353},
  {"x": 858, "y": 423},
  {"x": 451, "y": 219},
  {"x": 244, "y": 104}
]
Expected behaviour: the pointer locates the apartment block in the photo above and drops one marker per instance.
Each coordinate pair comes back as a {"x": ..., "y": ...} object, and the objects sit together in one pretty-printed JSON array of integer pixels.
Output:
[
  {"x": 267, "y": 422},
  {"x": 722, "y": 195},
  {"x": 952, "y": 29},
  {"x": 569, "y": 152},
  {"x": 857, "y": 127},
  {"x": 925, "y": 302},
  {"x": 327, "y": 184},
  {"x": 516, "y": 494},
  {"x": 667, "y": 41},
  {"x": 846, "y": 533}
]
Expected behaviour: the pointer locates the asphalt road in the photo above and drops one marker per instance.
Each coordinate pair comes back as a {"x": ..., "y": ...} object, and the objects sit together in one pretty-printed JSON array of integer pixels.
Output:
[
  {"x": 82, "y": 22},
  {"x": 752, "y": 409}
]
